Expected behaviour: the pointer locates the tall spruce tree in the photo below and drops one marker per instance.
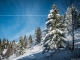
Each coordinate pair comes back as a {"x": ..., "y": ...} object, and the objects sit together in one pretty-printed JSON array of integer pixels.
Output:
[
  {"x": 25, "y": 41},
  {"x": 71, "y": 17},
  {"x": 0, "y": 47},
  {"x": 4, "y": 43},
  {"x": 54, "y": 39},
  {"x": 29, "y": 41},
  {"x": 72, "y": 22},
  {"x": 9, "y": 51},
  {"x": 21, "y": 46},
  {"x": 0, "y": 41},
  {"x": 14, "y": 46},
  {"x": 38, "y": 35}
]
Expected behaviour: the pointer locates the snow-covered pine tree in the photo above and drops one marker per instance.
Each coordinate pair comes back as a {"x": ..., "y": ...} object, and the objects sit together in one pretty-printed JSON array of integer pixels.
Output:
[
  {"x": 14, "y": 47},
  {"x": 21, "y": 46},
  {"x": 29, "y": 42},
  {"x": 0, "y": 47},
  {"x": 71, "y": 21},
  {"x": 9, "y": 50},
  {"x": 25, "y": 41},
  {"x": 38, "y": 35},
  {"x": 7, "y": 43},
  {"x": 71, "y": 18},
  {"x": 54, "y": 39},
  {"x": 4, "y": 43},
  {"x": 8, "y": 53}
]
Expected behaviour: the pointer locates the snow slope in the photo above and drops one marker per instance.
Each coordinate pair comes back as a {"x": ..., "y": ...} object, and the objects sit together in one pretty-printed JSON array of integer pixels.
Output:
[
  {"x": 35, "y": 53},
  {"x": 28, "y": 52}
]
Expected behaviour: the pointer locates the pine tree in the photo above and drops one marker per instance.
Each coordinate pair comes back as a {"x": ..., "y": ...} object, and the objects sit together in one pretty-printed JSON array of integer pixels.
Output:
[
  {"x": 0, "y": 47},
  {"x": 21, "y": 46},
  {"x": 71, "y": 18},
  {"x": 4, "y": 43},
  {"x": 71, "y": 21},
  {"x": 38, "y": 35},
  {"x": 0, "y": 41},
  {"x": 29, "y": 41},
  {"x": 25, "y": 41},
  {"x": 13, "y": 43},
  {"x": 14, "y": 48},
  {"x": 54, "y": 39},
  {"x": 9, "y": 50},
  {"x": 7, "y": 41}
]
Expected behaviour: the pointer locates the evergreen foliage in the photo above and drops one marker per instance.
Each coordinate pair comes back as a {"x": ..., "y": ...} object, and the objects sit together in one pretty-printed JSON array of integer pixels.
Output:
[
  {"x": 29, "y": 41},
  {"x": 54, "y": 37},
  {"x": 21, "y": 46},
  {"x": 25, "y": 41},
  {"x": 38, "y": 35}
]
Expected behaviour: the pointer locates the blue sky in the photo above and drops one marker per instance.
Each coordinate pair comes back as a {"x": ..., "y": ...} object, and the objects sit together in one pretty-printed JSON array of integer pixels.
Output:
[{"x": 22, "y": 17}]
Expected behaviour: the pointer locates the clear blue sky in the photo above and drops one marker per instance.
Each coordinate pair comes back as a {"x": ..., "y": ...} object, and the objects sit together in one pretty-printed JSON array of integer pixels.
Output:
[{"x": 22, "y": 17}]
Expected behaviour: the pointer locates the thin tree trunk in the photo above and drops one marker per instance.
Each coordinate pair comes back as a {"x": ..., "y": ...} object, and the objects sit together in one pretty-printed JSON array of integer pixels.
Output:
[{"x": 72, "y": 30}]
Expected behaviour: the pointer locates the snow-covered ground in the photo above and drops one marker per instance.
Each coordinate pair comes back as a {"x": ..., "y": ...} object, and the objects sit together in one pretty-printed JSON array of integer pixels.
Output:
[
  {"x": 28, "y": 52},
  {"x": 35, "y": 53}
]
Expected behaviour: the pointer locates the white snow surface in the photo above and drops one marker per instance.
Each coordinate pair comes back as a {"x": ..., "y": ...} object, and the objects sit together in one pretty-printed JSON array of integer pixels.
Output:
[
  {"x": 28, "y": 52},
  {"x": 12, "y": 57}
]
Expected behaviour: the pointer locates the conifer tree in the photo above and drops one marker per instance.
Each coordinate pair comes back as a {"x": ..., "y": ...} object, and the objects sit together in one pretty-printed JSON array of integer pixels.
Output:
[
  {"x": 54, "y": 39},
  {"x": 14, "y": 46},
  {"x": 21, "y": 46},
  {"x": 4, "y": 43},
  {"x": 9, "y": 51},
  {"x": 25, "y": 41},
  {"x": 29, "y": 41},
  {"x": 38, "y": 35},
  {"x": 0, "y": 47},
  {"x": 13, "y": 42},
  {"x": 0, "y": 41}
]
